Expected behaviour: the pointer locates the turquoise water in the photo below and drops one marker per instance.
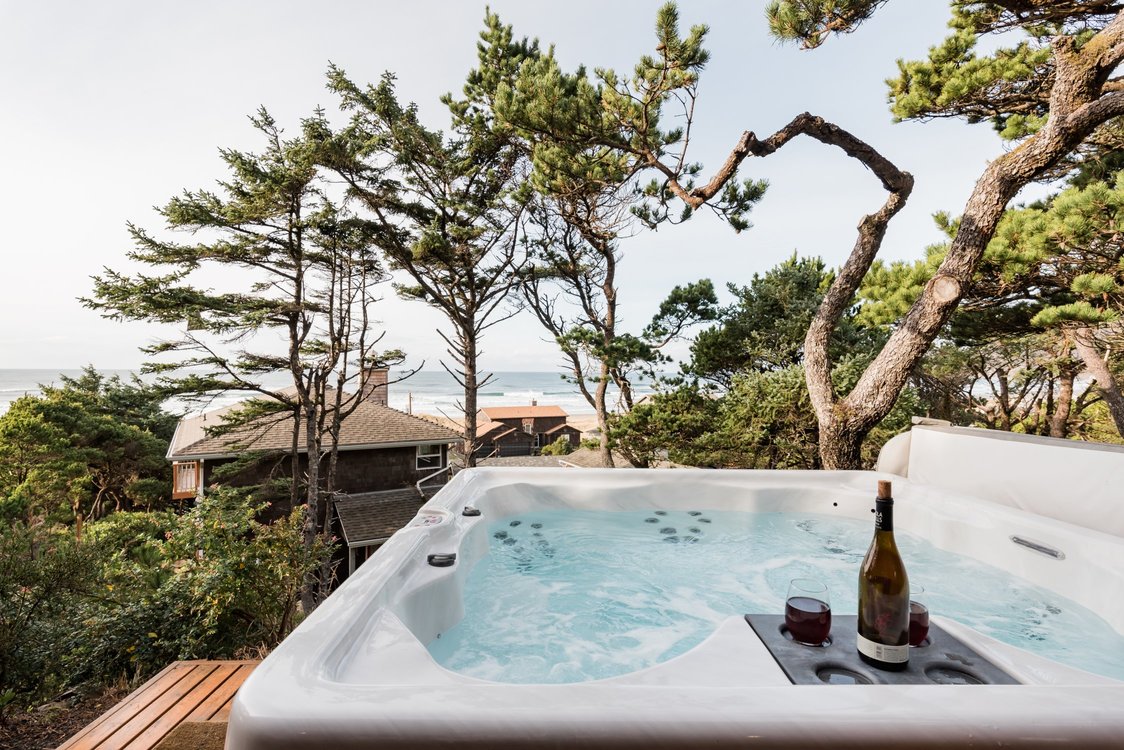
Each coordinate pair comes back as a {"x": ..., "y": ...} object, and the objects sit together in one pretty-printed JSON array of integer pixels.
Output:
[{"x": 569, "y": 596}]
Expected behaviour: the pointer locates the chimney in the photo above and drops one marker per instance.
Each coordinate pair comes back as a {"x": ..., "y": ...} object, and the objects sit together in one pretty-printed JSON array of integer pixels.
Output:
[
  {"x": 534, "y": 402},
  {"x": 375, "y": 384}
]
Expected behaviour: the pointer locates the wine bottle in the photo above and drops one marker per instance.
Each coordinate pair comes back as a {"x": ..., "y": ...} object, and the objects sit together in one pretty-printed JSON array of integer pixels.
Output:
[{"x": 883, "y": 639}]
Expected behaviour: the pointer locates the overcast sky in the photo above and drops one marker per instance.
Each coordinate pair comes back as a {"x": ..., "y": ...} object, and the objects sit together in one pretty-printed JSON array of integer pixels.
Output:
[{"x": 108, "y": 109}]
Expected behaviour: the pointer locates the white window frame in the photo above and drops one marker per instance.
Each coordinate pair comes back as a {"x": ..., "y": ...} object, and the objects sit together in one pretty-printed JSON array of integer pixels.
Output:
[{"x": 427, "y": 452}]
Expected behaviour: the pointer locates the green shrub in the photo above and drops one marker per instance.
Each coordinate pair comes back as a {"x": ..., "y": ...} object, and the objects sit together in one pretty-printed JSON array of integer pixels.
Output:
[
  {"x": 212, "y": 583},
  {"x": 145, "y": 589},
  {"x": 44, "y": 579},
  {"x": 560, "y": 447}
]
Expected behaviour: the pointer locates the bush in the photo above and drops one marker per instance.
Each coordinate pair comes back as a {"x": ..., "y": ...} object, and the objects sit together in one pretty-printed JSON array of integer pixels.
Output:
[
  {"x": 560, "y": 447},
  {"x": 44, "y": 579},
  {"x": 145, "y": 589},
  {"x": 214, "y": 583}
]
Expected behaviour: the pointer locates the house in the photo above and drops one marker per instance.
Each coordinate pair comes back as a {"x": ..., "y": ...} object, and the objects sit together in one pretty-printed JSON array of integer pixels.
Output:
[
  {"x": 389, "y": 462},
  {"x": 380, "y": 449},
  {"x": 522, "y": 430}
]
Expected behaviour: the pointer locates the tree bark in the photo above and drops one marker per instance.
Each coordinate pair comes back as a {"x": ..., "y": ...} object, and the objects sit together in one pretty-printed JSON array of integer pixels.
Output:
[
  {"x": 310, "y": 591},
  {"x": 471, "y": 391},
  {"x": 1080, "y": 101},
  {"x": 840, "y": 446},
  {"x": 1059, "y": 422},
  {"x": 603, "y": 415},
  {"x": 1109, "y": 389}
]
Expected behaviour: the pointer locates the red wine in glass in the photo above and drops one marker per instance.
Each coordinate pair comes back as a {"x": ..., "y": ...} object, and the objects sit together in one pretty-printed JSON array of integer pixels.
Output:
[
  {"x": 808, "y": 619},
  {"x": 918, "y": 623}
]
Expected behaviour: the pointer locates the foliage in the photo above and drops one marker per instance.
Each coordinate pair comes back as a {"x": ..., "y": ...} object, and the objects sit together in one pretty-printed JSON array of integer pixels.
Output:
[
  {"x": 448, "y": 208},
  {"x": 144, "y": 589},
  {"x": 668, "y": 425},
  {"x": 43, "y": 579},
  {"x": 763, "y": 421},
  {"x": 810, "y": 21},
  {"x": 216, "y": 581},
  {"x": 560, "y": 447},
  {"x": 765, "y": 327},
  {"x": 82, "y": 449},
  {"x": 596, "y": 132},
  {"x": 1055, "y": 265}
]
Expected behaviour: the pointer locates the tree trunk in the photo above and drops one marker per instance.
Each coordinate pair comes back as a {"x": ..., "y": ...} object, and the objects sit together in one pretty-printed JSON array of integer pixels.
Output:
[
  {"x": 840, "y": 446},
  {"x": 1080, "y": 102},
  {"x": 76, "y": 506},
  {"x": 295, "y": 460},
  {"x": 471, "y": 389},
  {"x": 1059, "y": 422},
  {"x": 1098, "y": 368},
  {"x": 1004, "y": 400},
  {"x": 603, "y": 416},
  {"x": 310, "y": 591}
]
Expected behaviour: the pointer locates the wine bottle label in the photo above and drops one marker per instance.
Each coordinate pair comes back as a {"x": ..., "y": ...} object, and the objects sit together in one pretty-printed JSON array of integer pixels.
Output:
[
  {"x": 882, "y": 652},
  {"x": 884, "y": 515}
]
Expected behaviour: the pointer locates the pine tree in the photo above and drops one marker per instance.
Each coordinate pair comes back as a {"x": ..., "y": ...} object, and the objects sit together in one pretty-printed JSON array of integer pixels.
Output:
[
  {"x": 448, "y": 208},
  {"x": 295, "y": 264}
]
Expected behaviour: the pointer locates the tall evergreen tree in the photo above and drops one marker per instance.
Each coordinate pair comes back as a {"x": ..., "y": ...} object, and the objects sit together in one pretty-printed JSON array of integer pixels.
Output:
[
  {"x": 298, "y": 265},
  {"x": 448, "y": 208},
  {"x": 589, "y": 197}
]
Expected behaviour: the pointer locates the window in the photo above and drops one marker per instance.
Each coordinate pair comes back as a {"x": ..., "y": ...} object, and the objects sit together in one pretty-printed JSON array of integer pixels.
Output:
[
  {"x": 185, "y": 479},
  {"x": 429, "y": 457},
  {"x": 538, "y": 440}
]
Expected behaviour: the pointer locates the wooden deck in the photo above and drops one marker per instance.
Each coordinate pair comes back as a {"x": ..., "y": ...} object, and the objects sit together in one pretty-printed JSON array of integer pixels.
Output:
[{"x": 183, "y": 691}]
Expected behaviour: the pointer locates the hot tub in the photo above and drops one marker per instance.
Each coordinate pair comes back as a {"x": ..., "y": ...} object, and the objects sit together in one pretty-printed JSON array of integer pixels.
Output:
[{"x": 358, "y": 673}]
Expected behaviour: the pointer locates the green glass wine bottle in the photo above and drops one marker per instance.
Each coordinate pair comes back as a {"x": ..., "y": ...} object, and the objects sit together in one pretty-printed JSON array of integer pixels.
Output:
[{"x": 883, "y": 639}]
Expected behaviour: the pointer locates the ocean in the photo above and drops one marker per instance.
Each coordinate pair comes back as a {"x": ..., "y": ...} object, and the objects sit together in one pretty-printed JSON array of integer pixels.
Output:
[{"x": 427, "y": 392}]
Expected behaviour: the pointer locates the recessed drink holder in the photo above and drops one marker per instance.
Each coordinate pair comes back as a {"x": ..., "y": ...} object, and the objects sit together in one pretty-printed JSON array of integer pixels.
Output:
[{"x": 941, "y": 659}]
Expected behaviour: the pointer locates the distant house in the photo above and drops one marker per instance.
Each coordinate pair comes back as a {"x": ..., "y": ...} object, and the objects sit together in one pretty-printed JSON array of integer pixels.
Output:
[
  {"x": 522, "y": 430},
  {"x": 380, "y": 449},
  {"x": 383, "y": 455}
]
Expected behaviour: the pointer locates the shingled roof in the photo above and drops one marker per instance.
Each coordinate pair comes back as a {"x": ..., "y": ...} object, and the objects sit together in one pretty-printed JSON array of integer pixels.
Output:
[
  {"x": 496, "y": 413},
  {"x": 370, "y": 425},
  {"x": 376, "y": 515}
]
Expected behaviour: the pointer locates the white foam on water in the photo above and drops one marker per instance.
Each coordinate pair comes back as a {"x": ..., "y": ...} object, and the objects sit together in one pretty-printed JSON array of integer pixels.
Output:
[{"x": 596, "y": 594}]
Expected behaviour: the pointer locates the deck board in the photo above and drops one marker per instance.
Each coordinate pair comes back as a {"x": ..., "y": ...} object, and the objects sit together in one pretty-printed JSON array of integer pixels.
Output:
[
  {"x": 182, "y": 691},
  {"x": 222, "y": 696},
  {"x": 80, "y": 740}
]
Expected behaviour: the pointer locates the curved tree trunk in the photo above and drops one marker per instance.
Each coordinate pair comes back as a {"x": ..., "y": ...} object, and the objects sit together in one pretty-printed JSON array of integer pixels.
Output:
[
  {"x": 1098, "y": 368},
  {"x": 1081, "y": 100}
]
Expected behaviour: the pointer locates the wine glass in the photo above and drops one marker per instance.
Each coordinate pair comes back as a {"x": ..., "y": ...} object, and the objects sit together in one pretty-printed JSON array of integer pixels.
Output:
[
  {"x": 807, "y": 611},
  {"x": 918, "y": 615}
]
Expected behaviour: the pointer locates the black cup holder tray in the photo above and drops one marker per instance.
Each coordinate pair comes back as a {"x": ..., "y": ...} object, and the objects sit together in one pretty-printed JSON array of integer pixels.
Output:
[{"x": 940, "y": 660}]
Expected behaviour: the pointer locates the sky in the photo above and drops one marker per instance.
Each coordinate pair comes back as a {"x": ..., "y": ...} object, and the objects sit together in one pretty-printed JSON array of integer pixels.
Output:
[{"x": 110, "y": 109}]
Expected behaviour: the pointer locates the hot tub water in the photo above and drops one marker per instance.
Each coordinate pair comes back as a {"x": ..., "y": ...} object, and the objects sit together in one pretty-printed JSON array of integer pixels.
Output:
[{"x": 571, "y": 596}]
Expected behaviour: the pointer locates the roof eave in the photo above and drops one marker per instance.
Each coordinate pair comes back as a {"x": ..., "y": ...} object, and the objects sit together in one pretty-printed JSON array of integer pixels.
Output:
[{"x": 358, "y": 447}]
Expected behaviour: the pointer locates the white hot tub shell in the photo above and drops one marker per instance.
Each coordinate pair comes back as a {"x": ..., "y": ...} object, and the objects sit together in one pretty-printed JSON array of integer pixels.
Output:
[{"x": 357, "y": 674}]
